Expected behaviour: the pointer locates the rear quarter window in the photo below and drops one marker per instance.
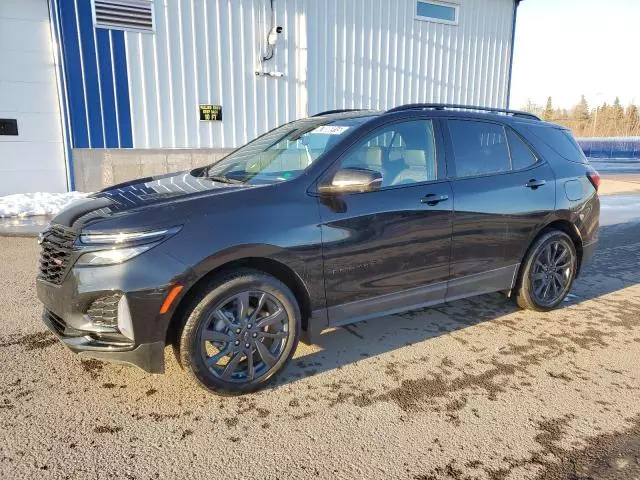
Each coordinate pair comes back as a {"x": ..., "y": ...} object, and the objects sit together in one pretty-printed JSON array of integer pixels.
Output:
[{"x": 560, "y": 141}]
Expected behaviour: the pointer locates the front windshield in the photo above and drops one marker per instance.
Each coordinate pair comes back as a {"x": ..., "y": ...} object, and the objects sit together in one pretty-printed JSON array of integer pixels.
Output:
[{"x": 282, "y": 154}]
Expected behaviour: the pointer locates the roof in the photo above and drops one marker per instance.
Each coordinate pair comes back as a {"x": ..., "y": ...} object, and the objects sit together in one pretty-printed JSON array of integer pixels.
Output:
[{"x": 440, "y": 110}]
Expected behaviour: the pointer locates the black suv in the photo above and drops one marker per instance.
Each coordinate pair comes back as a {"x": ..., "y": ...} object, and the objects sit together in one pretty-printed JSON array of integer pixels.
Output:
[{"x": 325, "y": 221}]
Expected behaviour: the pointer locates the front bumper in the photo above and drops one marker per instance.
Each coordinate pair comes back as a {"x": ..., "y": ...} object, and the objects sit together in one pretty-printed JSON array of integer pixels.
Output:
[
  {"x": 147, "y": 356},
  {"x": 145, "y": 282}
]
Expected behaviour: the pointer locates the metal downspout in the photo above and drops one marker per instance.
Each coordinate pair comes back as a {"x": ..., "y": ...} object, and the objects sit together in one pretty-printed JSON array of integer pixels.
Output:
[{"x": 513, "y": 38}]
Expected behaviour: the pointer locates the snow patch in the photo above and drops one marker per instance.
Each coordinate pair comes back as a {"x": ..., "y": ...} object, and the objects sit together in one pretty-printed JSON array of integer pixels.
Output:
[{"x": 31, "y": 204}]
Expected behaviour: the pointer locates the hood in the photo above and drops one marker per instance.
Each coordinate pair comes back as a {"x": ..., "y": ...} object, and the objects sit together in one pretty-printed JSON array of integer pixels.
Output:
[{"x": 139, "y": 194}]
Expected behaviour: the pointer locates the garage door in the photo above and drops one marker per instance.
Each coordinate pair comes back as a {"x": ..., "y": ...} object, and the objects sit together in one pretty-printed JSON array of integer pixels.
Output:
[{"x": 31, "y": 148}]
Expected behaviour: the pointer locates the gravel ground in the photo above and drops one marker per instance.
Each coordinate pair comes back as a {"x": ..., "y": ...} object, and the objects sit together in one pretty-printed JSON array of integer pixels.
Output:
[{"x": 475, "y": 389}]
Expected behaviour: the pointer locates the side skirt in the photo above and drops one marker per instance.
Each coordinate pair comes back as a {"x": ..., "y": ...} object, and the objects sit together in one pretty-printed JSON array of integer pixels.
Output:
[
  {"x": 412, "y": 299},
  {"x": 480, "y": 283}
]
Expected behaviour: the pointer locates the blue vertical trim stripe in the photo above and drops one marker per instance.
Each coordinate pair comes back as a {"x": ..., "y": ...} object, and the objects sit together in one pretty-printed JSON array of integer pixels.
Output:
[
  {"x": 73, "y": 75},
  {"x": 109, "y": 117},
  {"x": 96, "y": 78},
  {"x": 90, "y": 66},
  {"x": 122, "y": 88}
]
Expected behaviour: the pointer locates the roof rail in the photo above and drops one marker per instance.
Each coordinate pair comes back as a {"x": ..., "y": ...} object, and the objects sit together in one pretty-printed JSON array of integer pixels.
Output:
[
  {"x": 341, "y": 110},
  {"x": 450, "y": 106}
]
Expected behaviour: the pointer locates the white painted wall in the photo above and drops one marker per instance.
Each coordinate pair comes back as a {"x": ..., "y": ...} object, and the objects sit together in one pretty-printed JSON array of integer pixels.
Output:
[
  {"x": 33, "y": 160},
  {"x": 333, "y": 53}
]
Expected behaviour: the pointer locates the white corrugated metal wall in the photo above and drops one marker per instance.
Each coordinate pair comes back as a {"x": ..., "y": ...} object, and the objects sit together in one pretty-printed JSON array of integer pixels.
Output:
[
  {"x": 333, "y": 54},
  {"x": 373, "y": 53}
]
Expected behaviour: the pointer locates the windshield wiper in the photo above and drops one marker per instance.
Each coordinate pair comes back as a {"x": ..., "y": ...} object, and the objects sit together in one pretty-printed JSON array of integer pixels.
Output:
[{"x": 223, "y": 179}]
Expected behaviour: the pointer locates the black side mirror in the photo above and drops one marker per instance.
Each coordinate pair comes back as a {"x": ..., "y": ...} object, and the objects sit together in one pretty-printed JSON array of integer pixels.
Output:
[{"x": 352, "y": 180}]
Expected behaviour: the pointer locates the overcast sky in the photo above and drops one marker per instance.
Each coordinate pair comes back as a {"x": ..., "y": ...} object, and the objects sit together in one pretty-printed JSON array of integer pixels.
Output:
[{"x": 564, "y": 48}]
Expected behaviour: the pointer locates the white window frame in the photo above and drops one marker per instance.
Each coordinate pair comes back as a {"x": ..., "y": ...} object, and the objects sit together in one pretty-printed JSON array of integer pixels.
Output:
[
  {"x": 107, "y": 26},
  {"x": 421, "y": 18}
]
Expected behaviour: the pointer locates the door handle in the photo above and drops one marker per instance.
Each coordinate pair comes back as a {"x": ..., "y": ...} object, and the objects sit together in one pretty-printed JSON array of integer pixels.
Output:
[
  {"x": 533, "y": 183},
  {"x": 433, "y": 199}
]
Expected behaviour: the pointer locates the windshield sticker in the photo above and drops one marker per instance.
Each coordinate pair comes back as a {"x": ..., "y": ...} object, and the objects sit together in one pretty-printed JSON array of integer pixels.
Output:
[{"x": 331, "y": 129}]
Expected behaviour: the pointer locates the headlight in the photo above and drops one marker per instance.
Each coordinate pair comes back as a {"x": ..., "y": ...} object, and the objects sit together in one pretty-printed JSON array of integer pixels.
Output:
[
  {"x": 113, "y": 256},
  {"x": 131, "y": 237},
  {"x": 124, "y": 246}
]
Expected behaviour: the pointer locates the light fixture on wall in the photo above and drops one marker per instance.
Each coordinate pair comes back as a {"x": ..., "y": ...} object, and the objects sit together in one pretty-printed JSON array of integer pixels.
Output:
[{"x": 272, "y": 39}]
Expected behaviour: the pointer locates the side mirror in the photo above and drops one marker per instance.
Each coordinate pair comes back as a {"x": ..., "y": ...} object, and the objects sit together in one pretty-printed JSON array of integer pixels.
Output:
[{"x": 352, "y": 180}]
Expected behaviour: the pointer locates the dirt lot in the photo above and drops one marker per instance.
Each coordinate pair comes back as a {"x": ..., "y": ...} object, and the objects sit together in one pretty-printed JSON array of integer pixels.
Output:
[
  {"x": 474, "y": 389},
  {"x": 619, "y": 184}
]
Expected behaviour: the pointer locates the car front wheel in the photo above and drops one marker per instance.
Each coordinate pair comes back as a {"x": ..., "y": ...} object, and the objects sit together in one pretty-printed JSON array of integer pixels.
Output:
[
  {"x": 241, "y": 331},
  {"x": 548, "y": 271}
]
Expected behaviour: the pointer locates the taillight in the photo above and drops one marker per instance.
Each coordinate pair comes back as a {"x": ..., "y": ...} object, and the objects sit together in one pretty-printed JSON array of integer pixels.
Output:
[{"x": 594, "y": 177}]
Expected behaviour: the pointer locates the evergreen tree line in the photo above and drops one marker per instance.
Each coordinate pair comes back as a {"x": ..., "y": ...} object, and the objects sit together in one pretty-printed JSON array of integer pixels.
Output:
[{"x": 601, "y": 121}]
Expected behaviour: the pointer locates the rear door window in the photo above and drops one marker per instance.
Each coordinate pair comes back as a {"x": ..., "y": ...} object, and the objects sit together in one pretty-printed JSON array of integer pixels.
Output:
[{"x": 480, "y": 148}]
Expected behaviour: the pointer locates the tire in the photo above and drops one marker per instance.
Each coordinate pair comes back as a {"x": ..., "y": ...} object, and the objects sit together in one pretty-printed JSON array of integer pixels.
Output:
[
  {"x": 558, "y": 271},
  {"x": 223, "y": 333}
]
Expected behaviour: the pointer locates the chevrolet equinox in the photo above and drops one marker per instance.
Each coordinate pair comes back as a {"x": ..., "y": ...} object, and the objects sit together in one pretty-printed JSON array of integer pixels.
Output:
[{"x": 321, "y": 222}]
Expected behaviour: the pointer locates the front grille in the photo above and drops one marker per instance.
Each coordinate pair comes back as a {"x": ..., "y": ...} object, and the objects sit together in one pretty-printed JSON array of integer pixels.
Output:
[
  {"x": 55, "y": 256},
  {"x": 104, "y": 310}
]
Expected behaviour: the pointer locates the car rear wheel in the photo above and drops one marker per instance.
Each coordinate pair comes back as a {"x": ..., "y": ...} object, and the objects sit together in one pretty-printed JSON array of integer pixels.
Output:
[
  {"x": 547, "y": 273},
  {"x": 241, "y": 331}
]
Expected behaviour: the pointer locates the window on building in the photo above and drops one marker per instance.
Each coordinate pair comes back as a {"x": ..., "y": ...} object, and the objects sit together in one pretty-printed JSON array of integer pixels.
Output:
[
  {"x": 437, "y": 12},
  {"x": 480, "y": 148},
  {"x": 521, "y": 154},
  {"x": 123, "y": 14}
]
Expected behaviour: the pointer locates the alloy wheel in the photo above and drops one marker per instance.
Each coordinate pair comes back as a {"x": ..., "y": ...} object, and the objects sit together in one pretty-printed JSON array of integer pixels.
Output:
[
  {"x": 552, "y": 272},
  {"x": 244, "y": 336}
]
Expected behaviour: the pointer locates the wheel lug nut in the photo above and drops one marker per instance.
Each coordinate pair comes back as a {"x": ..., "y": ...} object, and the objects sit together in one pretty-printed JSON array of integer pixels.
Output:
[
  {"x": 246, "y": 345},
  {"x": 238, "y": 330},
  {"x": 254, "y": 335},
  {"x": 249, "y": 326},
  {"x": 237, "y": 342}
]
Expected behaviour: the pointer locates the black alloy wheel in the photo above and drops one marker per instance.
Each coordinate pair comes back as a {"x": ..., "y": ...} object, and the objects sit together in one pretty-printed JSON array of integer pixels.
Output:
[
  {"x": 240, "y": 333},
  {"x": 547, "y": 272}
]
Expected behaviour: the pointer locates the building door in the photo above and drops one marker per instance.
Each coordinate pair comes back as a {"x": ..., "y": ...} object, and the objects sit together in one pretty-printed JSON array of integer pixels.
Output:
[{"x": 31, "y": 143}]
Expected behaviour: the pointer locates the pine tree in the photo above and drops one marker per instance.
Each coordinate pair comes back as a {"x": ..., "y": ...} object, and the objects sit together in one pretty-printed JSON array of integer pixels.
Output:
[
  {"x": 581, "y": 110},
  {"x": 617, "y": 113},
  {"x": 603, "y": 127},
  {"x": 632, "y": 120},
  {"x": 580, "y": 116},
  {"x": 602, "y": 121},
  {"x": 548, "y": 112},
  {"x": 616, "y": 103}
]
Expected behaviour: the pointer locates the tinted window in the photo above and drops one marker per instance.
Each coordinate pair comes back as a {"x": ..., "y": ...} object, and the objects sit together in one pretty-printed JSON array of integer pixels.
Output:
[
  {"x": 479, "y": 148},
  {"x": 521, "y": 155},
  {"x": 561, "y": 141},
  {"x": 404, "y": 153}
]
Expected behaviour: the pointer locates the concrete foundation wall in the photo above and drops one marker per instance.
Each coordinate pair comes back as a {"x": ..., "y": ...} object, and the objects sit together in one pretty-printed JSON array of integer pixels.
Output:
[{"x": 97, "y": 168}]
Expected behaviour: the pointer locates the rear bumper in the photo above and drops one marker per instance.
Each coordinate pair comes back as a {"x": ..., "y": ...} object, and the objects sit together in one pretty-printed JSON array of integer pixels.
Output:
[
  {"x": 588, "y": 251},
  {"x": 147, "y": 356}
]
